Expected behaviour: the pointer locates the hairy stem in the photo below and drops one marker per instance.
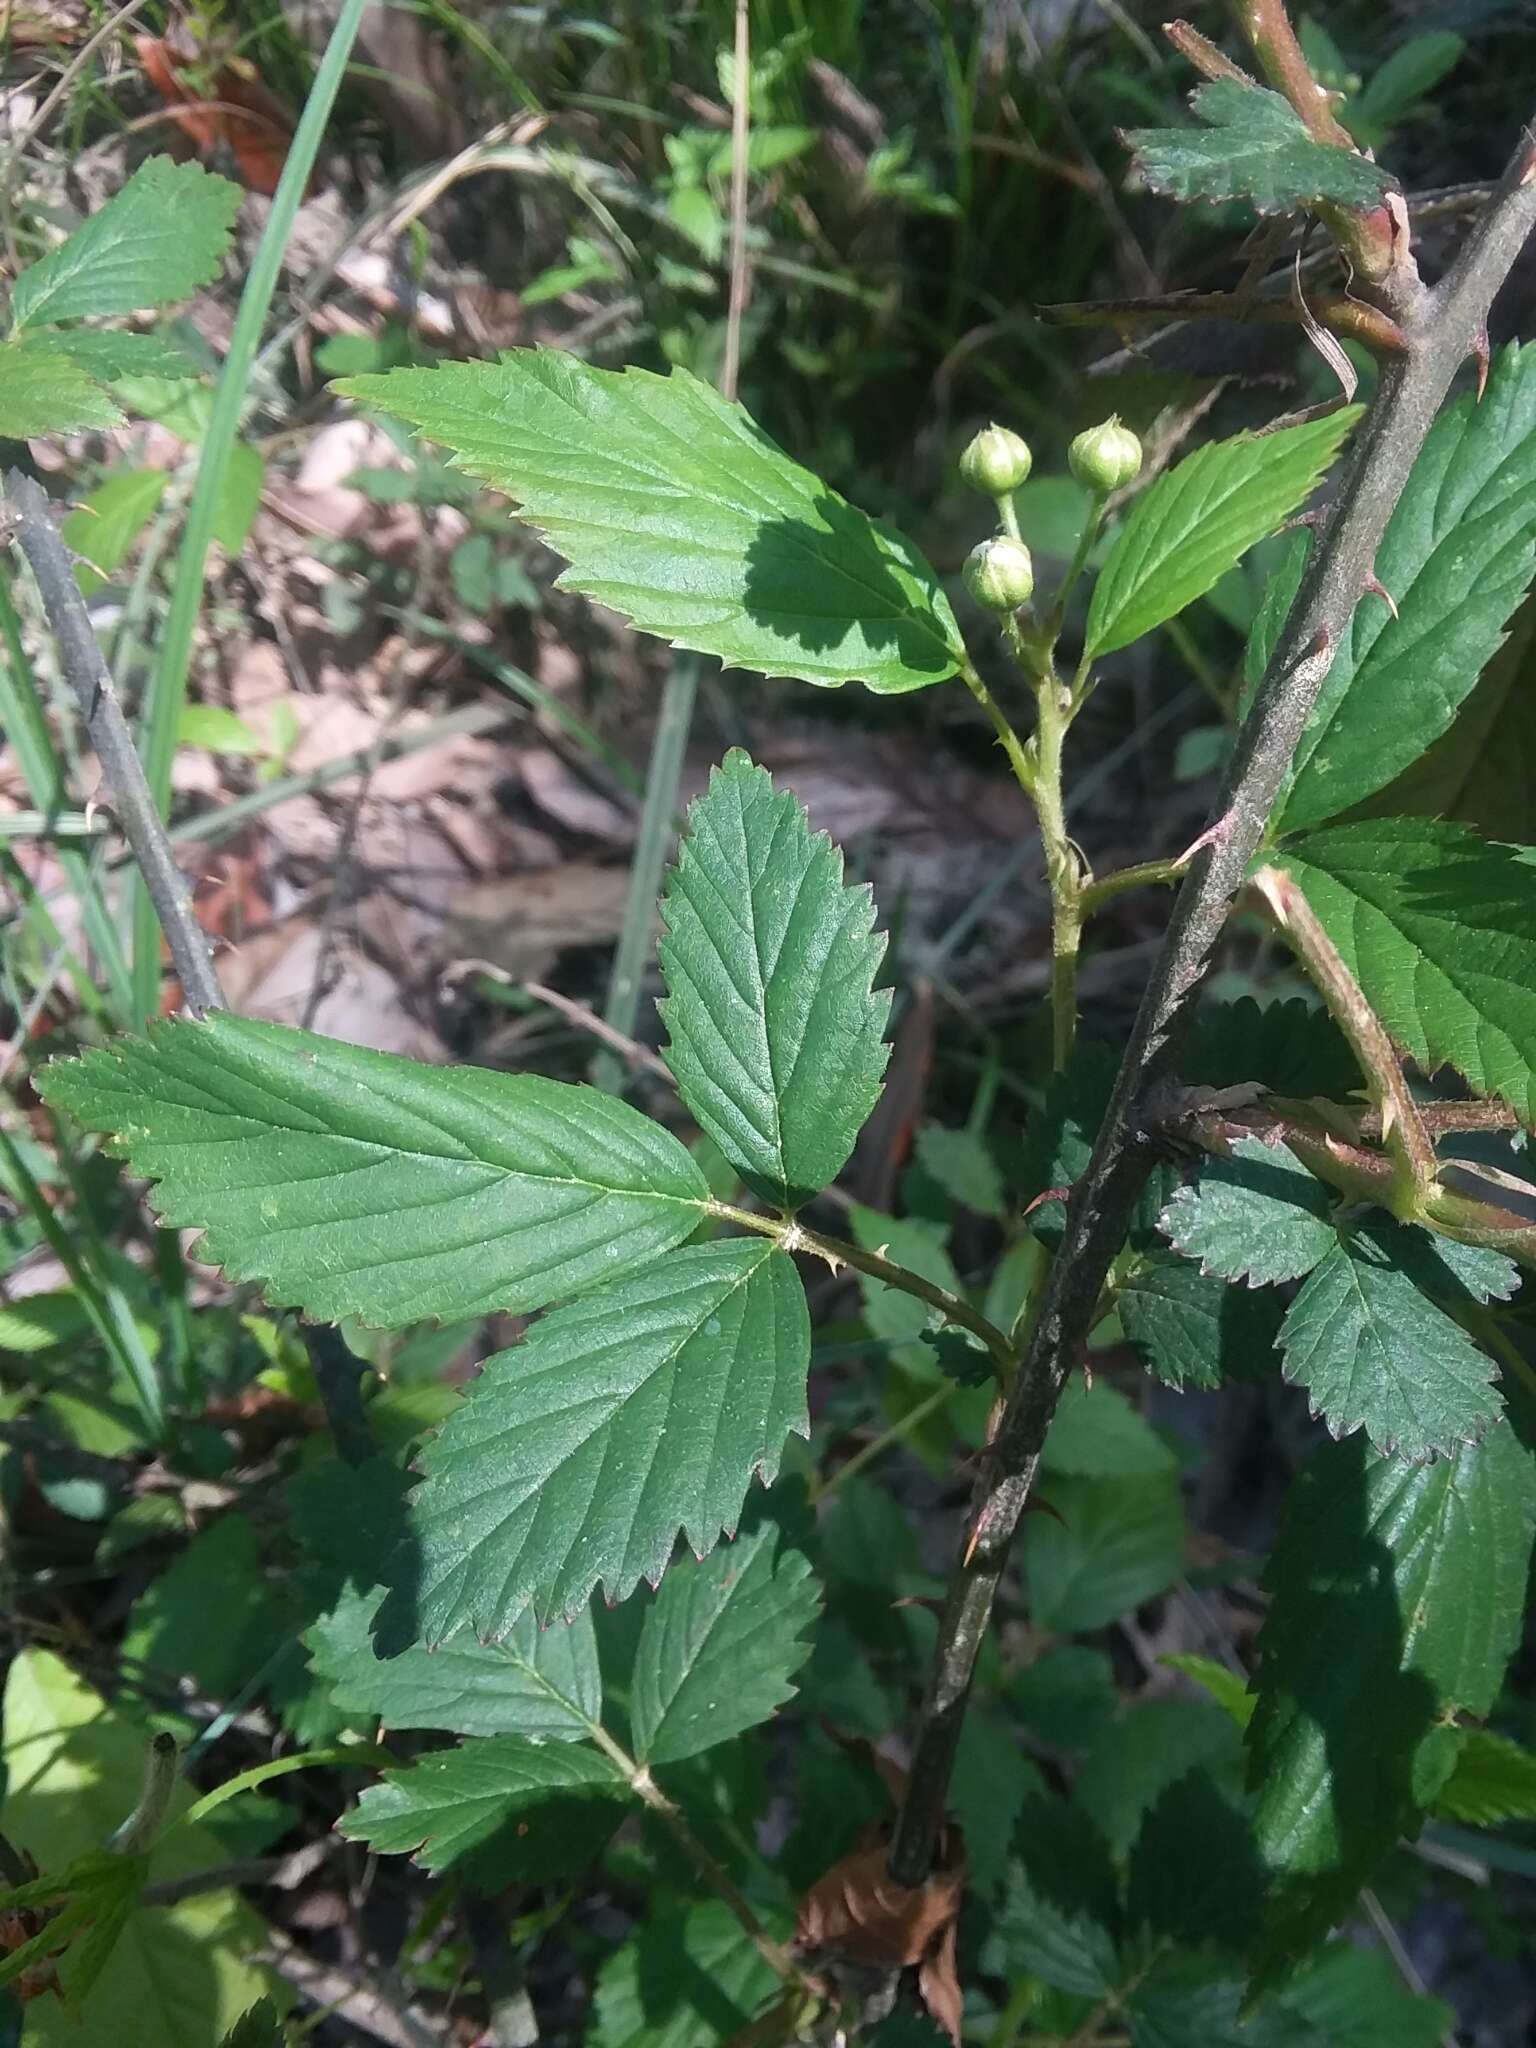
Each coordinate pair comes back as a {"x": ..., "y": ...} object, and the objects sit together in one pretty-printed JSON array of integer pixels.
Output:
[
  {"x": 1008, "y": 739},
  {"x": 1441, "y": 328},
  {"x": 1402, "y": 1127}
]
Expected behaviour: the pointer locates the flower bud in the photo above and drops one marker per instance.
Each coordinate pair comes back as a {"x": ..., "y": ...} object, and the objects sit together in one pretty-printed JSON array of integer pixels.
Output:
[
  {"x": 999, "y": 574},
  {"x": 996, "y": 462},
  {"x": 1106, "y": 457}
]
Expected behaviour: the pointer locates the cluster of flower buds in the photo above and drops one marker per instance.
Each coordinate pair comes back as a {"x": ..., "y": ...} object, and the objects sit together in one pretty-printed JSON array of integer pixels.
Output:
[{"x": 999, "y": 573}]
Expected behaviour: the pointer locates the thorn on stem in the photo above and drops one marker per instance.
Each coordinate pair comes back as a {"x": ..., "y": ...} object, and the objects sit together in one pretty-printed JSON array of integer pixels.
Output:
[
  {"x": 1481, "y": 354},
  {"x": 1376, "y": 588}
]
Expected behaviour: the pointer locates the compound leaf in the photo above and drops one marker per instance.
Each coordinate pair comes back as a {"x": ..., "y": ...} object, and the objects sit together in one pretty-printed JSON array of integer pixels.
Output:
[
  {"x": 524, "y": 1811},
  {"x": 642, "y": 1409},
  {"x": 161, "y": 238},
  {"x": 1457, "y": 556},
  {"x": 1439, "y": 928},
  {"x": 1375, "y": 1354},
  {"x": 1398, "y": 1594},
  {"x": 1257, "y": 1216},
  {"x": 676, "y": 510},
  {"x": 719, "y": 1645},
  {"x": 540, "y": 1682},
  {"x": 776, "y": 1033},
  {"x": 352, "y": 1183},
  {"x": 1253, "y": 145},
  {"x": 1195, "y": 522}
]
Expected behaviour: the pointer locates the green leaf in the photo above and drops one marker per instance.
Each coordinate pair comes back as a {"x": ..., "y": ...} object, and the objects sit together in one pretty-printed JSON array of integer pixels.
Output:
[
  {"x": 1184, "y": 2003},
  {"x": 1457, "y": 556},
  {"x": 110, "y": 353},
  {"x": 1226, "y": 1687},
  {"x": 1096, "y": 1433},
  {"x": 104, "y": 526},
  {"x": 261, "y": 2027},
  {"x": 642, "y": 1409},
  {"x": 1253, "y": 146},
  {"x": 42, "y": 393},
  {"x": 1439, "y": 929},
  {"x": 1066, "y": 1696},
  {"x": 218, "y": 729},
  {"x": 719, "y": 1644},
  {"x": 75, "y": 1766},
  {"x": 675, "y": 509},
  {"x": 690, "y": 1978},
  {"x": 1197, "y": 520},
  {"x": 1195, "y": 1875},
  {"x": 776, "y": 1036},
  {"x": 1257, "y": 1216},
  {"x": 962, "y": 1164},
  {"x": 1189, "y": 1328},
  {"x": 211, "y": 1616},
  {"x": 1136, "y": 1758},
  {"x": 1402, "y": 83},
  {"x": 352, "y": 1183},
  {"x": 522, "y": 1812},
  {"x": 988, "y": 1787},
  {"x": 1494, "y": 1780},
  {"x": 541, "y": 1682},
  {"x": 1374, "y": 1354},
  {"x": 1117, "y": 1543},
  {"x": 161, "y": 238},
  {"x": 1356, "y": 1999},
  {"x": 1482, "y": 770},
  {"x": 1291, "y": 1048},
  {"x": 1059, "y": 1918},
  {"x": 1397, "y": 1596}
]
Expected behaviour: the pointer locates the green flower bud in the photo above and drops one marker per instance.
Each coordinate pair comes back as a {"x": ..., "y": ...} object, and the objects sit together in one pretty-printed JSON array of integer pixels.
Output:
[
  {"x": 999, "y": 574},
  {"x": 1106, "y": 457},
  {"x": 996, "y": 462}
]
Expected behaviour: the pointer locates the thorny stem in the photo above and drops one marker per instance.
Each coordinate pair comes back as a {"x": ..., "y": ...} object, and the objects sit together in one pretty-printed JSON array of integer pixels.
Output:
[
  {"x": 1441, "y": 328},
  {"x": 672, "y": 1817},
  {"x": 1368, "y": 240},
  {"x": 793, "y": 1236}
]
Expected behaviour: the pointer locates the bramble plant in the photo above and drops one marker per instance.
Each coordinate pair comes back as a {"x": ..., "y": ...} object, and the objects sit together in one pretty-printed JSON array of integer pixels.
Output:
[{"x": 1256, "y": 1196}]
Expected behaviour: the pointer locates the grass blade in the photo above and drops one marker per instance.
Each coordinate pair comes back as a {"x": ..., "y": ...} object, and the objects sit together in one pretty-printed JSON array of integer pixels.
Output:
[{"x": 168, "y": 684}]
